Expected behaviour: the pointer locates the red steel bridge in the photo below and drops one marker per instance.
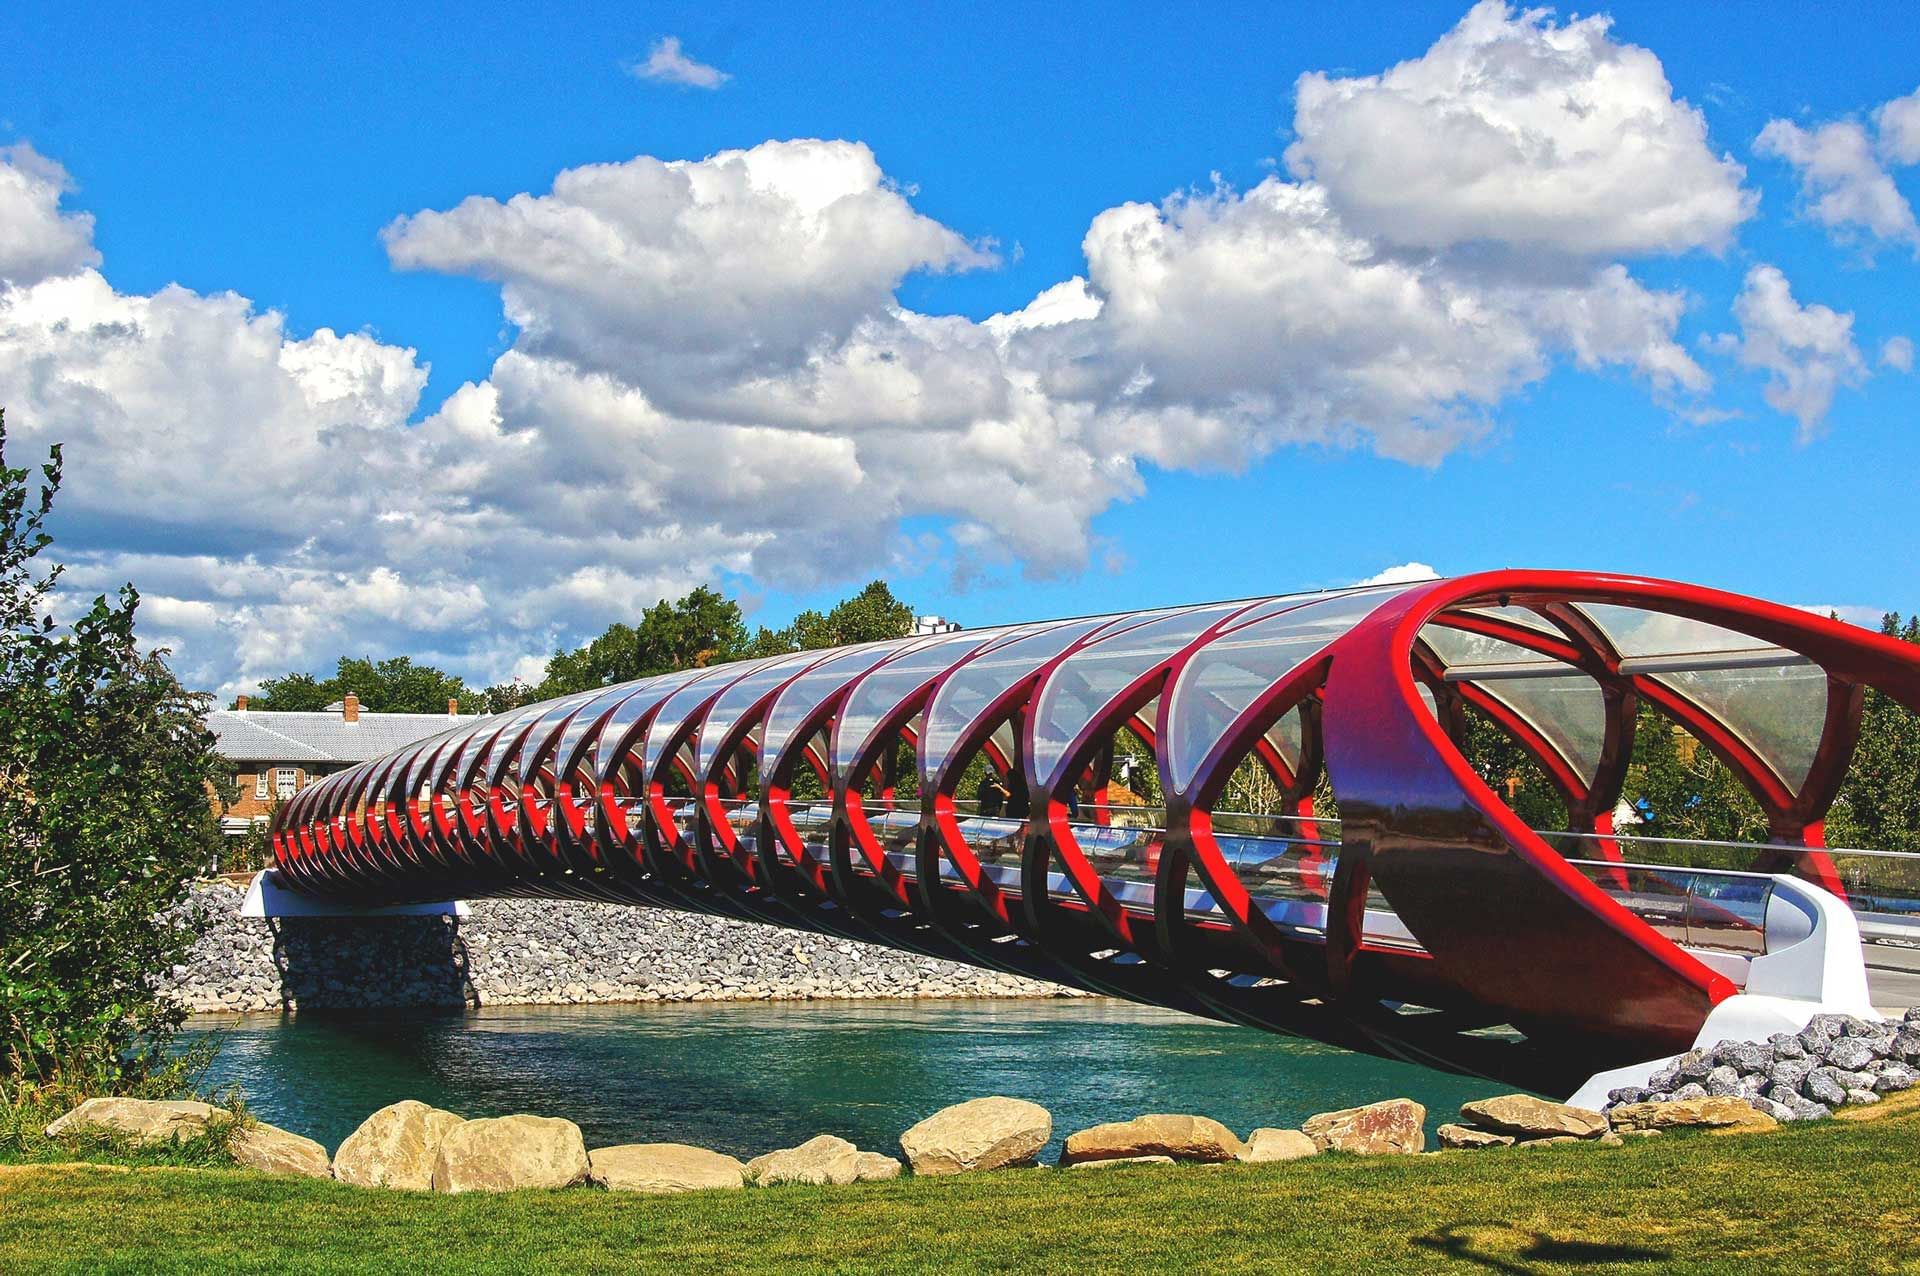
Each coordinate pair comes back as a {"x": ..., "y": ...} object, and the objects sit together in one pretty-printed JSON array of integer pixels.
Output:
[{"x": 839, "y": 791}]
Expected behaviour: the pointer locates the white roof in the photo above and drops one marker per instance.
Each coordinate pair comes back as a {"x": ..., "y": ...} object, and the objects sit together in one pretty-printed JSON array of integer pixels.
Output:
[{"x": 256, "y": 735}]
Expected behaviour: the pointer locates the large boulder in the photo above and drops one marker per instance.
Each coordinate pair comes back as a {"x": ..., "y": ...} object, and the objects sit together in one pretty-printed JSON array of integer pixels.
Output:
[
  {"x": 501, "y": 1154},
  {"x": 1717, "y": 1112},
  {"x": 145, "y": 1121},
  {"x": 1269, "y": 1144},
  {"x": 824, "y": 1158},
  {"x": 395, "y": 1147},
  {"x": 663, "y": 1167},
  {"x": 1390, "y": 1126},
  {"x": 1465, "y": 1136},
  {"x": 980, "y": 1134},
  {"x": 875, "y": 1167},
  {"x": 272, "y": 1150},
  {"x": 1184, "y": 1138},
  {"x": 1526, "y": 1117}
]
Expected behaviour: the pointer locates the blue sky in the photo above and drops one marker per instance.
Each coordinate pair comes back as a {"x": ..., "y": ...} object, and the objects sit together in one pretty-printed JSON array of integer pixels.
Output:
[{"x": 253, "y": 152}]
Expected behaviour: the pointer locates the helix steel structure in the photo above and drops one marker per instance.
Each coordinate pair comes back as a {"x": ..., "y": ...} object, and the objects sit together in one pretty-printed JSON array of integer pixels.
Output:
[{"x": 838, "y": 791}]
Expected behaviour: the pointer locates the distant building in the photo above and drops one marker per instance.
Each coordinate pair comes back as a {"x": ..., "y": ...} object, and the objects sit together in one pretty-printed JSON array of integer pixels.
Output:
[
  {"x": 276, "y": 754},
  {"x": 934, "y": 625}
]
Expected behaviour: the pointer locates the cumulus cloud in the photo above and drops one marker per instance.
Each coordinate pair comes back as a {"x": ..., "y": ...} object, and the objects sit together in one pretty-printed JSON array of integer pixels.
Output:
[
  {"x": 712, "y": 374},
  {"x": 37, "y": 239},
  {"x": 1897, "y": 353},
  {"x": 1515, "y": 131},
  {"x": 1402, "y": 574},
  {"x": 668, "y": 63},
  {"x": 1845, "y": 184},
  {"x": 1807, "y": 352}
]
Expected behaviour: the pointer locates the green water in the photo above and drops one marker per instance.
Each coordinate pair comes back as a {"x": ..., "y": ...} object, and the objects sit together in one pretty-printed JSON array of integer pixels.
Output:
[{"x": 745, "y": 1077}]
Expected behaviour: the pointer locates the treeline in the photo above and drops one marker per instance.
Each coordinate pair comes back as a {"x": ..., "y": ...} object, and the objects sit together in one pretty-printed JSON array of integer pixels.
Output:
[{"x": 700, "y": 628}]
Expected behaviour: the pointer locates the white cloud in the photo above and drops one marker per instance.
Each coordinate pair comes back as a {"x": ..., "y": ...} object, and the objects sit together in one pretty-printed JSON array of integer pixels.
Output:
[
  {"x": 668, "y": 63},
  {"x": 1898, "y": 123},
  {"x": 1807, "y": 352},
  {"x": 37, "y": 240},
  {"x": 1842, "y": 184},
  {"x": 712, "y": 375},
  {"x": 1897, "y": 353},
  {"x": 1404, "y": 573},
  {"x": 1516, "y": 131}
]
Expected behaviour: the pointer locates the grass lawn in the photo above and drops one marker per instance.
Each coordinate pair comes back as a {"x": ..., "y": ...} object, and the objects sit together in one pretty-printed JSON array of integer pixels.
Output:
[{"x": 1842, "y": 1196}]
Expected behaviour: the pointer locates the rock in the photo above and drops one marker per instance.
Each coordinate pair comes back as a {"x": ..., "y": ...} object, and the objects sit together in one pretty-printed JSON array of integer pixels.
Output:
[
  {"x": 1391, "y": 1126},
  {"x": 272, "y": 1150},
  {"x": 1743, "y": 1056},
  {"x": 1465, "y": 1136},
  {"x": 1825, "y": 1027},
  {"x": 1805, "y": 1111},
  {"x": 395, "y": 1147},
  {"x": 145, "y": 1121},
  {"x": 1894, "y": 1076},
  {"x": 1526, "y": 1117},
  {"x": 1552, "y": 1138},
  {"x": 1612, "y": 1140},
  {"x": 1664, "y": 1079},
  {"x": 1719, "y": 1112},
  {"x": 1112, "y": 1161},
  {"x": 1823, "y": 1087},
  {"x": 501, "y": 1154},
  {"x": 663, "y": 1167},
  {"x": 1269, "y": 1144},
  {"x": 1791, "y": 1073},
  {"x": 875, "y": 1167},
  {"x": 1786, "y": 1045},
  {"x": 980, "y": 1134},
  {"x": 1859, "y": 1096},
  {"x": 1905, "y": 1045},
  {"x": 1778, "y": 1111},
  {"x": 1693, "y": 1066},
  {"x": 1184, "y": 1138},
  {"x": 1724, "y": 1079},
  {"x": 1627, "y": 1094},
  {"x": 1851, "y": 1053},
  {"x": 1691, "y": 1090},
  {"x": 823, "y": 1158}
]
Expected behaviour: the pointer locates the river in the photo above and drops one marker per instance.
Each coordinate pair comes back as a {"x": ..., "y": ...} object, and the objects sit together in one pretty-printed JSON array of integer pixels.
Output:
[{"x": 745, "y": 1077}]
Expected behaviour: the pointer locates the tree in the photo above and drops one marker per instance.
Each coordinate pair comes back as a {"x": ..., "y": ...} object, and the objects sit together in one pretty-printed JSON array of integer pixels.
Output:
[
  {"x": 872, "y": 615},
  {"x": 1878, "y": 806},
  {"x": 394, "y": 685},
  {"x": 105, "y": 765},
  {"x": 700, "y": 628}
]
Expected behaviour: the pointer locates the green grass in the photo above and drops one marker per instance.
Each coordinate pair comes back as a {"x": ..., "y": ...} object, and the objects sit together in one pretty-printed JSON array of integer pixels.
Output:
[{"x": 1839, "y": 1196}]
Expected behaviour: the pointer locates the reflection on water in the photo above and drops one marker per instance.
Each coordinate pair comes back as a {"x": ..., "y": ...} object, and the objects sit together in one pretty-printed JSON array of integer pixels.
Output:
[{"x": 744, "y": 1077}]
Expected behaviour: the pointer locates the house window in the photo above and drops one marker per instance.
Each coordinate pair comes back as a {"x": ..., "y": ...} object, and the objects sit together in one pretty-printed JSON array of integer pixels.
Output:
[
  {"x": 260, "y": 787},
  {"x": 283, "y": 782}
]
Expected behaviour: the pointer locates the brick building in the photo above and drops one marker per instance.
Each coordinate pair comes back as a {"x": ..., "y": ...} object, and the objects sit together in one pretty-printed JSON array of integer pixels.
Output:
[{"x": 276, "y": 754}]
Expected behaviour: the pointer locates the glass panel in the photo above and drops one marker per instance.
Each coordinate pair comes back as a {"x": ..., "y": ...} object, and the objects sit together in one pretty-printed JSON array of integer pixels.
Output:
[
  {"x": 1076, "y": 692},
  {"x": 549, "y": 726},
  {"x": 1569, "y": 711},
  {"x": 974, "y": 685},
  {"x": 880, "y": 692},
  {"x": 1523, "y": 616},
  {"x": 1778, "y": 711},
  {"x": 682, "y": 704},
  {"x": 804, "y": 694},
  {"x": 1228, "y": 674},
  {"x": 1651, "y": 633},
  {"x": 1286, "y": 736},
  {"x": 736, "y": 700},
  {"x": 591, "y": 712},
  {"x": 634, "y": 708},
  {"x": 1461, "y": 649}
]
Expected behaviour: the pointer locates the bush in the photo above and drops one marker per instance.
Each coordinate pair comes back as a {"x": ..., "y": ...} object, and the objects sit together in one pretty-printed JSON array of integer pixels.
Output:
[{"x": 105, "y": 764}]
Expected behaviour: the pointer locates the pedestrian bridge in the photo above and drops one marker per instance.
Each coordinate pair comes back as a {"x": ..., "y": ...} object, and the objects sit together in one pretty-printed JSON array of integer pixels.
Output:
[{"x": 1260, "y": 811}]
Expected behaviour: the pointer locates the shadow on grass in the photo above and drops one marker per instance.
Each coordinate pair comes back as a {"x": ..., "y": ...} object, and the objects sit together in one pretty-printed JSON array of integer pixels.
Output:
[{"x": 1505, "y": 1248}]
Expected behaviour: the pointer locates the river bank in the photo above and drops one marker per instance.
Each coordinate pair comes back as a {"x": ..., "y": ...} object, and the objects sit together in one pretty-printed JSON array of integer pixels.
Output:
[{"x": 543, "y": 952}]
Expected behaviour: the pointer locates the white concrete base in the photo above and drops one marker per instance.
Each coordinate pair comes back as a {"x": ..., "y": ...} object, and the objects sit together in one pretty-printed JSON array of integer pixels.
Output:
[
  {"x": 267, "y": 898},
  {"x": 1814, "y": 966}
]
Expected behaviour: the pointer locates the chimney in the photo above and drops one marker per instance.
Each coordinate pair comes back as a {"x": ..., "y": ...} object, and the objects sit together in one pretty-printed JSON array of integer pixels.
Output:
[
  {"x": 453, "y": 708},
  {"x": 350, "y": 708},
  {"x": 240, "y": 704}
]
